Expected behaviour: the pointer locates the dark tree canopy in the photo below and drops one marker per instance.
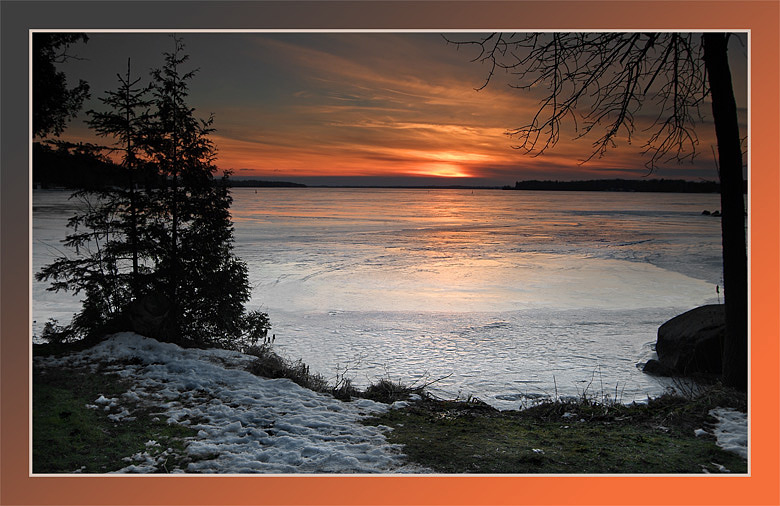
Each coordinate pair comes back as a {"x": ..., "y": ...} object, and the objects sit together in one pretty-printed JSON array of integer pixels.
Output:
[
  {"x": 157, "y": 260},
  {"x": 125, "y": 120},
  {"x": 54, "y": 104}
]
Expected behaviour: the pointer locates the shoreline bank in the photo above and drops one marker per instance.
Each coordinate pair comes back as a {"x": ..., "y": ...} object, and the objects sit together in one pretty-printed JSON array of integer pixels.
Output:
[{"x": 427, "y": 434}]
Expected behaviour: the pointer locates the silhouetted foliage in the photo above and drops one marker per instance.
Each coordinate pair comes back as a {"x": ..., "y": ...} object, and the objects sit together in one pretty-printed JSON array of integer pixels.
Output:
[
  {"x": 54, "y": 104},
  {"x": 202, "y": 279},
  {"x": 60, "y": 163},
  {"x": 126, "y": 120},
  {"x": 98, "y": 268},
  {"x": 601, "y": 82},
  {"x": 158, "y": 260}
]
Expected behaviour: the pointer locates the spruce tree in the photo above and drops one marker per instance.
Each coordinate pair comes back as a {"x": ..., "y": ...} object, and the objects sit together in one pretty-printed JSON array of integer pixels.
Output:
[
  {"x": 126, "y": 120},
  {"x": 109, "y": 256},
  {"x": 99, "y": 268},
  {"x": 206, "y": 285},
  {"x": 171, "y": 246}
]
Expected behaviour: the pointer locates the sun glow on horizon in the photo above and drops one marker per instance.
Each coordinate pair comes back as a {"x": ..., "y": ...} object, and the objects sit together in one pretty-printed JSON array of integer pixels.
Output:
[
  {"x": 440, "y": 169},
  {"x": 386, "y": 106}
]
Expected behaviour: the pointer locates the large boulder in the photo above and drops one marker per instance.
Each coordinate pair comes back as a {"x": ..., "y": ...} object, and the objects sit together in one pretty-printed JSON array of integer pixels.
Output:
[
  {"x": 691, "y": 343},
  {"x": 148, "y": 315}
]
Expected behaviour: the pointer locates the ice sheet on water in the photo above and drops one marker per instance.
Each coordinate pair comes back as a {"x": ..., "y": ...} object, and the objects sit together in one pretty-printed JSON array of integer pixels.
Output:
[
  {"x": 245, "y": 424},
  {"x": 499, "y": 289},
  {"x": 532, "y": 354}
]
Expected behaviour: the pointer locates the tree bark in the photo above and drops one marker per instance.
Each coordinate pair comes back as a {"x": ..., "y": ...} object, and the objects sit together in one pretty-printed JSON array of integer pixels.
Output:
[
  {"x": 129, "y": 156},
  {"x": 724, "y": 111}
]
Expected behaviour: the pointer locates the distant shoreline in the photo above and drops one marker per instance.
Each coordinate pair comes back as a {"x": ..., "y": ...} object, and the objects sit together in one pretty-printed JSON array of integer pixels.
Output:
[
  {"x": 257, "y": 183},
  {"x": 622, "y": 185},
  {"x": 599, "y": 185},
  {"x": 596, "y": 185}
]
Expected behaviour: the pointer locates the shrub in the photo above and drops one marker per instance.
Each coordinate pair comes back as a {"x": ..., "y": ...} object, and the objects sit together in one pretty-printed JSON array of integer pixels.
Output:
[
  {"x": 388, "y": 391},
  {"x": 270, "y": 365}
]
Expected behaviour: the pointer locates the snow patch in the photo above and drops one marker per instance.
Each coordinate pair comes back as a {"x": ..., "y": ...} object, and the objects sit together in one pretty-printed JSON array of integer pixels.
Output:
[
  {"x": 731, "y": 430},
  {"x": 245, "y": 423}
]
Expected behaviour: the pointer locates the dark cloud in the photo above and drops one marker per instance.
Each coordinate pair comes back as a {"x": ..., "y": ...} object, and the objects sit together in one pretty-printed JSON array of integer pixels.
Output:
[{"x": 381, "y": 105}]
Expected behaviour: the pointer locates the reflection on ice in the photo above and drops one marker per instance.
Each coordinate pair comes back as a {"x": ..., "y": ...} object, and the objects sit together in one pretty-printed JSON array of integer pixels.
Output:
[{"x": 509, "y": 295}]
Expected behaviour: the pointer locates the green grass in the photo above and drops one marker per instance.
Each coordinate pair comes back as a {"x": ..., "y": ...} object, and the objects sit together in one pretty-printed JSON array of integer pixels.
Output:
[
  {"x": 69, "y": 437},
  {"x": 458, "y": 437},
  {"x": 270, "y": 365},
  {"x": 563, "y": 437}
]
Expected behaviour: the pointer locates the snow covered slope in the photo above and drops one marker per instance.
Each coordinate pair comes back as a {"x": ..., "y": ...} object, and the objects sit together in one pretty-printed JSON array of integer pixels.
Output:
[{"x": 245, "y": 424}]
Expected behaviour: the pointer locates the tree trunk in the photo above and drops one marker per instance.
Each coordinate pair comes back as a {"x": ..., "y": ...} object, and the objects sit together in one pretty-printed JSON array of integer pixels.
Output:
[
  {"x": 724, "y": 111},
  {"x": 134, "y": 284},
  {"x": 174, "y": 252}
]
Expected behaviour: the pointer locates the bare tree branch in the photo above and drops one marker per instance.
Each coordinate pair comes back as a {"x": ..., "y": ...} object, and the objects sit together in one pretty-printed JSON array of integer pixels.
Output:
[{"x": 600, "y": 82}]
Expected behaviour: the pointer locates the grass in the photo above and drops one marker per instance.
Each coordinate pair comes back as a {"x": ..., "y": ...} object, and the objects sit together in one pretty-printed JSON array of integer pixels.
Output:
[
  {"x": 270, "y": 365},
  {"x": 588, "y": 435},
  {"x": 565, "y": 437},
  {"x": 574, "y": 436},
  {"x": 69, "y": 437}
]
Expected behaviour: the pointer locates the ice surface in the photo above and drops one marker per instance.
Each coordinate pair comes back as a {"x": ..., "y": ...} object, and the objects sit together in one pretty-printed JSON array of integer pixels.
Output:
[
  {"x": 509, "y": 295},
  {"x": 245, "y": 424}
]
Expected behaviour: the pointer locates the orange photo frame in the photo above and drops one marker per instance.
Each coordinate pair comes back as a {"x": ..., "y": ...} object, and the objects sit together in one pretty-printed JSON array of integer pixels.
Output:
[{"x": 760, "y": 486}]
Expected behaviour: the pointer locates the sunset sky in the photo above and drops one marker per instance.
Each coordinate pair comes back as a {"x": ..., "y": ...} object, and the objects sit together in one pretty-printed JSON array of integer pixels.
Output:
[{"x": 364, "y": 108}]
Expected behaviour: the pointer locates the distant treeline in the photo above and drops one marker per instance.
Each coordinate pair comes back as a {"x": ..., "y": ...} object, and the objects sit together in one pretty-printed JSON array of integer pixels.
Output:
[
  {"x": 622, "y": 185},
  {"x": 79, "y": 166},
  {"x": 74, "y": 167}
]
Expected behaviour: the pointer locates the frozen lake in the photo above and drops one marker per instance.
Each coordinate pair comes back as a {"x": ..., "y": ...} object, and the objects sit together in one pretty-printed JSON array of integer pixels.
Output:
[{"x": 507, "y": 295}]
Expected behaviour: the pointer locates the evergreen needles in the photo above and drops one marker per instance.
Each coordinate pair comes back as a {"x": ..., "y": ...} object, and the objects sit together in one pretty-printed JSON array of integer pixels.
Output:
[{"x": 155, "y": 255}]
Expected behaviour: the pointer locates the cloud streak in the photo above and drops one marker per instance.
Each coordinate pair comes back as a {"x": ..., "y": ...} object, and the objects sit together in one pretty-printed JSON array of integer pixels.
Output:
[{"x": 302, "y": 105}]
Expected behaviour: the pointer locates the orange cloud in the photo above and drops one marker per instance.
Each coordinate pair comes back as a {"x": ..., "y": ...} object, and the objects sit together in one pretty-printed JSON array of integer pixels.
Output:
[{"x": 379, "y": 104}]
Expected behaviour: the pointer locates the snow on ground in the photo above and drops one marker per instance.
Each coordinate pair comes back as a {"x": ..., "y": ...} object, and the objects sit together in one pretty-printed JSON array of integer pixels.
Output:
[
  {"x": 731, "y": 430},
  {"x": 245, "y": 423}
]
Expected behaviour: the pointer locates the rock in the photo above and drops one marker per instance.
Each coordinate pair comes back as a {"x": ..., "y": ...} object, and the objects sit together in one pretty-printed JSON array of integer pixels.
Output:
[
  {"x": 706, "y": 213},
  {"x": 657, "y": 368},
  {"x": 148, "y": 315},
  {"x": 690, "y": 343}
]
